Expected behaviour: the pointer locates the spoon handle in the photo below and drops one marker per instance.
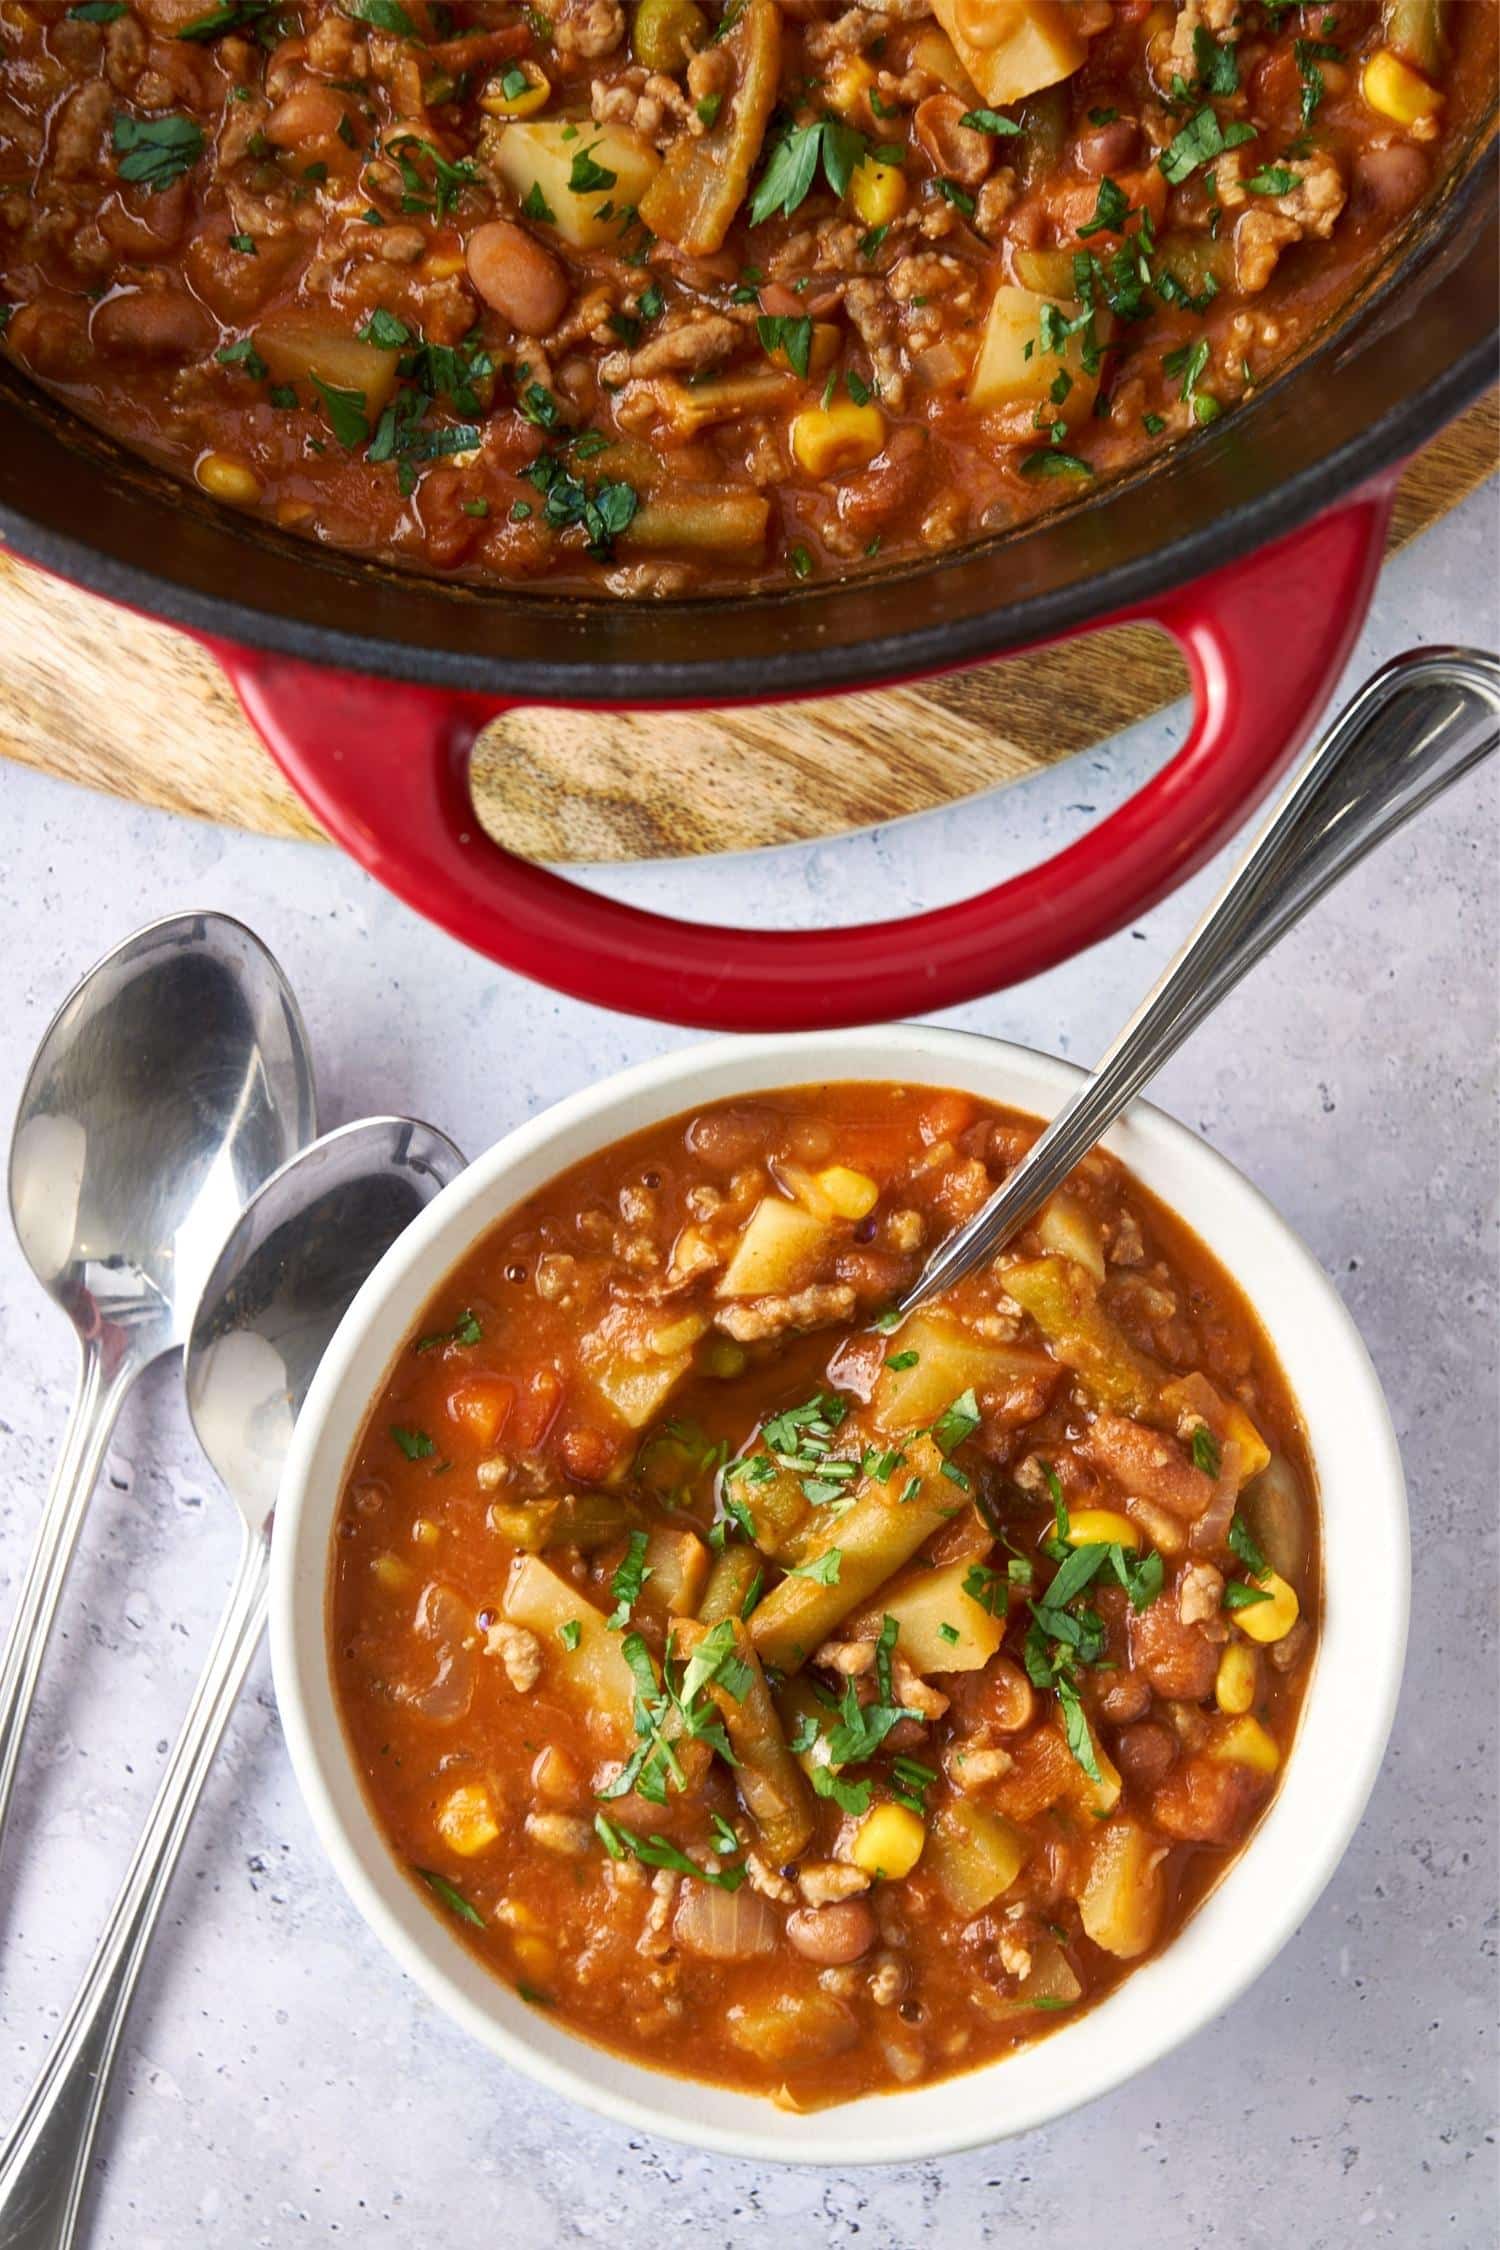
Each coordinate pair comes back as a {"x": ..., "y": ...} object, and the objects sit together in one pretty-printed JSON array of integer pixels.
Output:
[
  {"x": 1423, "y": 721},
  {"x": 44, "y": 2163},
  {"x": 96, "y": 1406}
]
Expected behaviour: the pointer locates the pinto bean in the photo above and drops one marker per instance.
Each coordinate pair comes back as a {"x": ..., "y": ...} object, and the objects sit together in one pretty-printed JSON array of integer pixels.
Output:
[
  {"x": 152, "y": 324},
  {"x": 1108, "y": 148},
  {"x": 1388, "y": 181},
  {"x": 50, "y": 340},
  {"x": 307, "y": 116},
  {"x": 516, "y": 276},
  {"x": 726, "y": 1139},
  {"x": 957, "y": 151},
  {"x": 832, "y": 1935},
  {"x": 1144, "y": 1753}
]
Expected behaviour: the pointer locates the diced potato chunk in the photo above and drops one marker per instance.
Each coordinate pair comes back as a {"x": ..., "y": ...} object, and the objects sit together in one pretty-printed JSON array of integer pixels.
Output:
[
  {"x": 1049, "y": 1984},
  {"x": 778, "y": 1250},
  {"x": 300, "y": 343},
  {"x": 941, "y": 1628},
  {"x": 1123, "y": 1897},
  {"x": 1069, "y": 1230},
  {"x": 678, "y": 1562},
  {"x": 888, "y": 1841},
  {"x": 1231, "y": 1425},
  {"x": 1245, "y": 1742},
  {"x": 635, "y": 1370},
  {"x": 466, "y": 1820},
  {"x": 949, "y": 1361},
  {"x": 593, "y": 1672},
  {"x": 537, "y": 158},
  {"x": 793, "y": 2027},
  {"x": 1014, "y": 367},
  {"x": 1012, "y": 48},
  {"x": 976, "y": 1855}
]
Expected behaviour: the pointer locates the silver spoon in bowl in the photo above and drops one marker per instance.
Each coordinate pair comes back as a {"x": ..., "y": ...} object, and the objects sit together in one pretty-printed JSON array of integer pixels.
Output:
[
  {"x": 1421, "y": 723},
  {"x": 173, "y": 1080},
  {"x": 269, "y": 1306}
]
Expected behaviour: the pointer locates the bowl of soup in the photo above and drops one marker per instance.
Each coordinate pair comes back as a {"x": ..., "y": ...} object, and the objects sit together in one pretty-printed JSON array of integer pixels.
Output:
[{"x": 807, "y": 1730}]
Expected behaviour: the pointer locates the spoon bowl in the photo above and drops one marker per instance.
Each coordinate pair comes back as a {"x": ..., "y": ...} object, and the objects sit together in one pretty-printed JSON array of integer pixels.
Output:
[
  {"x": 270, "y": 1302},
  {"x": 174, "y": 1079}
]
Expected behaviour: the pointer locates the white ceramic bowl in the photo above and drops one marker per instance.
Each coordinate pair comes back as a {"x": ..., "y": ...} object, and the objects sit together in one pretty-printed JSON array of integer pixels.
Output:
[{"x": 1270, "y": 1887}]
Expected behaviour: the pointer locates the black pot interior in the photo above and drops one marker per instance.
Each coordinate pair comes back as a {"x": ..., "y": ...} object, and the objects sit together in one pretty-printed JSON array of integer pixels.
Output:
[{"x": 1419, "y": 345}]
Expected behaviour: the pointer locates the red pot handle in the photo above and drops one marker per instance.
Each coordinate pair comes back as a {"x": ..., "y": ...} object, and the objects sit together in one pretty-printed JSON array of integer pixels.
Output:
[{"x": 384, "y": 766}]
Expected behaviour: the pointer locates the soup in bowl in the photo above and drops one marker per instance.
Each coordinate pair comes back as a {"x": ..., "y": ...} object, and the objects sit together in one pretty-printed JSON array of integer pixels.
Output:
[{"x": 777, "y": 1719}]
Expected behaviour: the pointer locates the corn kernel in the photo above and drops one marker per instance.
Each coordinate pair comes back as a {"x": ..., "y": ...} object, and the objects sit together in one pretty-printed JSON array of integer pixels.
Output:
[
  {"x": 849, "y": 85},
  {"x": 425, "y": 1532},
  {"x": 724, "y": 1358},
  {"x": 1273, "y": 1620},
  {"x": 391, "y": 1573},
  {"x": 1245, "y": 1742},
  {"x": 1395, "y": 90},
  {"x": 534, "y": 1957},
  {"x": 838, "y": 436},
  {"x": 444, "y": 265},
  {"x": 877, "y": 192},
  {"x": 1234, "y": 1687},
  {"x": 225, "y": 478},
  {"x": 851, "y": 1194},
  {"x": 466, "y": 1820},
  {"x": 496, "y": 102},
  {"x": 1103, "y": 1527},
  {"x": 889, "y": 1841}
]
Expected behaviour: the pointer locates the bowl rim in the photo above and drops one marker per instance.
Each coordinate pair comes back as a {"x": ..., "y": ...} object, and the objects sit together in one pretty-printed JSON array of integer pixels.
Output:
[{"x": 1269, "y": 1888}]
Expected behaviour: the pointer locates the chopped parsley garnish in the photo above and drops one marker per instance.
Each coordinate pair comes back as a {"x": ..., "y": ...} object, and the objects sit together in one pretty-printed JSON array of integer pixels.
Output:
[
  {"x": 243, "y": 354},
  {"x": 1238, "y": 1594},
  {"x": 603, "y": 513},
  {"x": 155, "y": 151},
  {"x": 708, "y": 108},
  {"x": 415, "y": 1444},
  {"x": 1152, "y": 424},
  {"x": 900, "y": 1360},
  {"x": 452, "y": 1897},
  {"x": 989, "y": 121},
  {"x": 794, "y": 161},
  {"x": 1309, "y": 53},
  {"x": 385, "y": 330},
  {"x": 656, "y": 1851},
  {"x": 587, "y": 177},
  {"x": 1111, "y": 210},
  {"x": 948, "y": 1633},
  {"x": 1051, "y": 461},
  {"x": 1242, "y": 1545},
  {"x": 465, "y": 1330},
  {"x": 1218, "y": 67},
  {"x": 346, "y": 414},
  {"x": 245, "y": 244},
  {"x": 783, "y": 333},
  {"x": 956, "y": 1422},
  {"x": 663, "y": 1715},
  {"x": 823, "y": 1570},
  {"x": 1205, "y": 1450},
  {"x": 534, "y": 205},
  {"x": 988, "y": 1588},
  {"x": 570, "y": 1633},
  {"x": 628, "y": 1581},
  {"x": 448, "y": 180},
  {"x": 1201, "y": 140},
  {"x": 97, "y": 11},
  {"x": 1273, "y": 179},
  {"x": 870, "y": 243},
  {"x": 799, "y": 562},
  {"x": 959, "y": 197},
  {"x": 381, "y": 15}
]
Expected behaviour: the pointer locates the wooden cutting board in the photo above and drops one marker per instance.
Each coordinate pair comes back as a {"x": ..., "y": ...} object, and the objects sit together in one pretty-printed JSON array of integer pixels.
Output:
[{"x": 101, "y": 697}]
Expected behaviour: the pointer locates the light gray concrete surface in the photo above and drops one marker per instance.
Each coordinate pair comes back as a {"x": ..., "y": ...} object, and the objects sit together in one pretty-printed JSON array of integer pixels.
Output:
[{"x": 282, "y": 2083}]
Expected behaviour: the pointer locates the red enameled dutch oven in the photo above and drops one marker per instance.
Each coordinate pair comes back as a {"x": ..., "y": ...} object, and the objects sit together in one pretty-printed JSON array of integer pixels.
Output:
[{"x": 1255, "y": 546}]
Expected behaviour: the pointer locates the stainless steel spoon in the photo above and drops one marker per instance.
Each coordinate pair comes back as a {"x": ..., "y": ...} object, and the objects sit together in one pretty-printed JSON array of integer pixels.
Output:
[
  {"x": 1421, "y": 723},
  {"x": 276, "y": 1293},
  {"x": 171, "y": 1082}
]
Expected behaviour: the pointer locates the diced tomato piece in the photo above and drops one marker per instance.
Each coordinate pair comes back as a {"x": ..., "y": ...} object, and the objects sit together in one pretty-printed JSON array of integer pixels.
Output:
[
  {"x": 481, "y": 1406},
  {"x": 541, "y": 1396}
]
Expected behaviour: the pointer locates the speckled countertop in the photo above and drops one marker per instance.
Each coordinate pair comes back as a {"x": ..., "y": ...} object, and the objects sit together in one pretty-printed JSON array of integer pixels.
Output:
[{"x": 282, "y": 2083}]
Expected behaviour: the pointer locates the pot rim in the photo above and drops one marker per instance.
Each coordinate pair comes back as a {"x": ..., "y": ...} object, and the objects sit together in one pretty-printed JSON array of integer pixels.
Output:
[
  {"x": 1268, "y": 1889},
  {"x": 777, "y": 670}
]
